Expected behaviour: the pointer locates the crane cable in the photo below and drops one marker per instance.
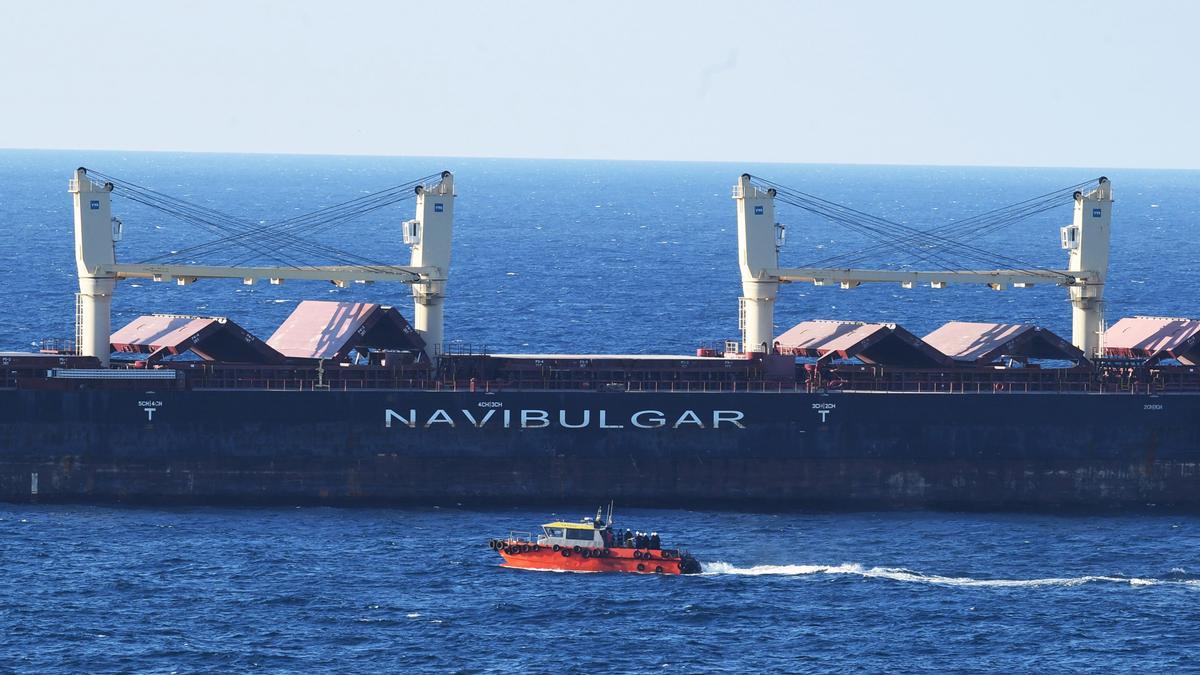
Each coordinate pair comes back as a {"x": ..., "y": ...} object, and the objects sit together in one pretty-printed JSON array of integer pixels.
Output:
[
  {"x": 273, "y": 240},
  {"x": 926, "y": 244},
  {"x": 990, "y": 221}
]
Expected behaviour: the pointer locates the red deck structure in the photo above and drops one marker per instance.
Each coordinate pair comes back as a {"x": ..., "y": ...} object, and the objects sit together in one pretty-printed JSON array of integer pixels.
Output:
[
  {"x": 1155, "y": 339},
  {"x": 984, "y": 343},
  {"x": 324, "y": 330},
  {"x": 211, "y": 338},
  {"x": 871, "y": 343}
]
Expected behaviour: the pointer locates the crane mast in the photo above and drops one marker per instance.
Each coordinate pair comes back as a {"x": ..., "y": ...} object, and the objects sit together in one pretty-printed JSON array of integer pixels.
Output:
[
  {"x": 96, "y": 233},
  {"x": 1086, "y": 240}
]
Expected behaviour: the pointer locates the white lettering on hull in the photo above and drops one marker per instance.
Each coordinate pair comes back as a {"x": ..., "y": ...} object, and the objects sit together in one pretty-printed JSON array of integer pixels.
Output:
[
  {"x": 390, "y": 415},
  {"x": 823, "y": 409},
  {"x": 480, "y": 422},
  {"x": 562, "y": 420},
  {"x": 734, "y": 417},
  {"x": 583, "y": 419},
  {"x": 688, "y": 417},
  {"x": 534, "y": 419},
  {"x": 604, "y": 422},
  {"x": 150, "y": 407},
  {"x": 439, "y": 417},
  {"x": 653, "y": 419}
]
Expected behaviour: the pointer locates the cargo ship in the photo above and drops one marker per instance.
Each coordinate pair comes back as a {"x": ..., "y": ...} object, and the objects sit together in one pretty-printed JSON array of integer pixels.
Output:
[{"x": 352, "y": 403}]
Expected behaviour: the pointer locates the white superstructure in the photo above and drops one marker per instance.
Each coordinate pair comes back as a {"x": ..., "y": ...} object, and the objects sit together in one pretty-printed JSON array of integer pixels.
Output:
[
  {"x": 94, "y": 260},
  {"x": 758, "y": 256},
  {"x": 429, "y": 235},
  {"x": 1087, "y": 240}
]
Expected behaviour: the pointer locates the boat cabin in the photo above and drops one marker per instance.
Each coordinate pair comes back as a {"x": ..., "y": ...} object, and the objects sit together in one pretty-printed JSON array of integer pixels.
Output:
[{"x": 569, "y": 535}]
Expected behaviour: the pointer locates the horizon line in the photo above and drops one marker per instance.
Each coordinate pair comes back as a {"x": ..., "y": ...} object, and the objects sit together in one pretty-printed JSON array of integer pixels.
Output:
[{"x": 253, "y": 153}]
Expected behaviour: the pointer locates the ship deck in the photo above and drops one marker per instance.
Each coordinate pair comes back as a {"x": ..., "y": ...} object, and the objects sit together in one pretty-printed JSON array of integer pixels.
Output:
[{"x": 601, "y": 373}]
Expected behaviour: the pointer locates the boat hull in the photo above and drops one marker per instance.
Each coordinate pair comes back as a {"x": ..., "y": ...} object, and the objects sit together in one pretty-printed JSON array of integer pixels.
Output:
[
  {"x": 611, "y": 560},
  {"x": 835, "y": 450}
]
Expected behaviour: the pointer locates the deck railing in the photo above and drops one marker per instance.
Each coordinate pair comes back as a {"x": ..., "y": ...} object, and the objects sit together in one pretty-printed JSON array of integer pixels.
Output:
[
  {"x": 1166, "y": 380},
  {"x": 702, "y": 387}
]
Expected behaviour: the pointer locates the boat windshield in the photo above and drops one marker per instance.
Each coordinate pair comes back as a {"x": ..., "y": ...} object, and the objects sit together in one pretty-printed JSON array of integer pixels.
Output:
[{"x": 554, "y": 532}]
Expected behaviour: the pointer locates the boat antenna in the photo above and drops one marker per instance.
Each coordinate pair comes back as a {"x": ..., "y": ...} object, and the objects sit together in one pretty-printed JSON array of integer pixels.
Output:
[{"x": 610, "y": 505}]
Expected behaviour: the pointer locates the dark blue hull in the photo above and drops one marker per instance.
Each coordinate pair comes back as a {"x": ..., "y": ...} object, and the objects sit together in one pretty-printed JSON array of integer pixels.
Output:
[{"x": 838, "y": 450}]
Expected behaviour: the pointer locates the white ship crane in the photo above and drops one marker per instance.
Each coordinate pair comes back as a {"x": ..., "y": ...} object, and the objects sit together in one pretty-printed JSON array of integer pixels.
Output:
[
  {"x": 760, "y": 238},
  {"x": 96, "y": 234}
]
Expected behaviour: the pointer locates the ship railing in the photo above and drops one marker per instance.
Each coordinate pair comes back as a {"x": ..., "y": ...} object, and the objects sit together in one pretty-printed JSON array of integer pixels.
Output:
[
  {"x": 1034, "y": 381},
  {"x": 954, "y": 387},
  {"x": 55, "y": 345},
  {"x": 26, "y": 380},
  {"x": 709, "y": 386},
  {"x": 461, "y": 349},
  {"x": 914, "y": 381}
]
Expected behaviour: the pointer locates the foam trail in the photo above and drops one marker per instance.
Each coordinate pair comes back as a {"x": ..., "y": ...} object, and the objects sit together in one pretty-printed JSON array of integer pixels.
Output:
[{"x": 910, "y": 576}]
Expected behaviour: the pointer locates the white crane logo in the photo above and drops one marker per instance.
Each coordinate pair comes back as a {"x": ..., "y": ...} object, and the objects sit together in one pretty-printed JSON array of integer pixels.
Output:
[
  {"x": 149, "y": 407},
  {"x": 823, "y": 409}
]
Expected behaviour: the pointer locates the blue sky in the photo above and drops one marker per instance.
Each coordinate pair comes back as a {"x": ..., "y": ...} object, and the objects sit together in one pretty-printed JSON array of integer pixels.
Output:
[{"x": 1099, "y": 84}]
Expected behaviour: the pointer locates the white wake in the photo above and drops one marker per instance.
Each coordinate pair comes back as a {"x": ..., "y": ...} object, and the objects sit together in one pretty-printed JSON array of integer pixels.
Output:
[{"x": 910, "y": 576}]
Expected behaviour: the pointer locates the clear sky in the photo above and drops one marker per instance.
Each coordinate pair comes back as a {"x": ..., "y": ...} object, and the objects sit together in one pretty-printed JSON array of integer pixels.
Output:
[{"x": 1097, "y": 84}]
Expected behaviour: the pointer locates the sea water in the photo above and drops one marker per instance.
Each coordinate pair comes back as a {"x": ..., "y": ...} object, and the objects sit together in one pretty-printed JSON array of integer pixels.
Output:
[
  {"x": 398, "y": 590},
  {"x": 576, "y": 257}
]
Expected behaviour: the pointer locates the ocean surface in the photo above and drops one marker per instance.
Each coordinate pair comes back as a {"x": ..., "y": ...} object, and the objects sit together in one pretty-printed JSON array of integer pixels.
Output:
[
  {"x": 554, "y": 256},
  {"x": 92, "y": 589}
]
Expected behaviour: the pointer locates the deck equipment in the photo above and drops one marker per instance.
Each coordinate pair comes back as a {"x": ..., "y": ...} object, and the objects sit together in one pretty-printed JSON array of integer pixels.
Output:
[{"x": 284, "y": 245}]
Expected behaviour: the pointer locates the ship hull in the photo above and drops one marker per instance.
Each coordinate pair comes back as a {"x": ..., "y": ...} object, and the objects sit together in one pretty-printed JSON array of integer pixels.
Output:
[{"x": 834, "y": 450}]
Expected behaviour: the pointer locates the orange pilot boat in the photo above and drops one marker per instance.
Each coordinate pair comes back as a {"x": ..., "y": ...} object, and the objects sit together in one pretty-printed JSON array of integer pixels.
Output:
[{"x": 592, "y": 546}]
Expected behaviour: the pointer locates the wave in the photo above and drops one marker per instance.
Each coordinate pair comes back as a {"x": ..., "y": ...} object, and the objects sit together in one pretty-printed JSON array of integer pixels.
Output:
[{"x": 909, "y": 576}]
